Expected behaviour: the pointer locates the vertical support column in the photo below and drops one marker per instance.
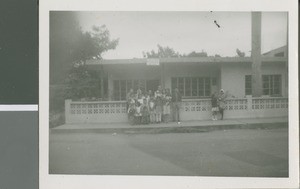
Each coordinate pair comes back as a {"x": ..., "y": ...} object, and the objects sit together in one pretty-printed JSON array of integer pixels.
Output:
[
  {"x": 67, "y": 110},
  {"x": 162, "y": 75},
  {"x": 286, "y": 55},
  {"x": 219, "y": 75},
  {"x": 256, "y": 54},
  {"x": 102, "y": 81},
  {"x": 109, "y": 87},
  {"x": 249, "y": 103}
]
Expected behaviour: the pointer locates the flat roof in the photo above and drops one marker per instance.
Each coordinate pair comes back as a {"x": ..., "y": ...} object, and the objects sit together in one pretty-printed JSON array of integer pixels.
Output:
[{"x": 185, "y": 60}]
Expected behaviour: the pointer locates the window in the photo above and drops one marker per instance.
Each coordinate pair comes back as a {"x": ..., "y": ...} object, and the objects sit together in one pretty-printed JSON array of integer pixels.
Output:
[
  {"x": 181, "y": 85},
  {"x": 214, "y": 81},
  {"x": 207, "y": 86},
  {"x": 193, "y": 87},
  {"x": 248, "y": 84},
  {"x": 117, "y": 93},
  {"x": 187, "y": 87},
  {"x": 122, "y": 87},
  {"x": 271, "y": 85}
]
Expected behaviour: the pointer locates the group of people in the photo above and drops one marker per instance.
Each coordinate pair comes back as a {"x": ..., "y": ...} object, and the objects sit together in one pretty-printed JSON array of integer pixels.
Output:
[
  {"x": 158, "y": 106},
  {"x": 153, "y": 107},
  {"x": 218, "y": 104}
]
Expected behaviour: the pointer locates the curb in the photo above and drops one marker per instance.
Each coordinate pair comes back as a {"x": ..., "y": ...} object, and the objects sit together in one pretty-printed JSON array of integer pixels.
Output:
[{"x": 173, "y": 129}]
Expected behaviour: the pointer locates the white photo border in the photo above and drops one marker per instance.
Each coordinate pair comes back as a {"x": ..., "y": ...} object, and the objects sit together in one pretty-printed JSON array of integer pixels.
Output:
[{"x": 49, "y": 181}]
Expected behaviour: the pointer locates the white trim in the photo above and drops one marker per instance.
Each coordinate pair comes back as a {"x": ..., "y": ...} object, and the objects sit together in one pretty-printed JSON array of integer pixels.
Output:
[{"x": 31, "y": 107}]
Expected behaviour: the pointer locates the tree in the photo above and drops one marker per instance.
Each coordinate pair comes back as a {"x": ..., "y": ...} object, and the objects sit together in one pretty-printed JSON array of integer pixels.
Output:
[
  {"x": 93, "y": 43},
  {"x": 197, "y": 54},
  {"x": 70, "y": 47},
  {"x": 162, "y": 52},
  {"x": 82, "y": 82},
  {"x": 64, "y": 37},
  {"x": 166, "y": 52}
]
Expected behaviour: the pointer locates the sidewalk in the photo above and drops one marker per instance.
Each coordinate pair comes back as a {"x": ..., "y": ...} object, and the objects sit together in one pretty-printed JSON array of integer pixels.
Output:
[{"x": 187, "y": 126}]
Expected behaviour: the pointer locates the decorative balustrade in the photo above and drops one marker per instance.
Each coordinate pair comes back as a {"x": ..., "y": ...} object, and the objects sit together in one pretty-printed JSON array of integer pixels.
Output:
[
  {"x": 269, "y": 103},
  {"x": 236, "y": 104},
  {"x": 191, "y": 109},
  {"x": 203, "y": 105},
  {"x": 200, "y": 105},
  {"x": 100, "y": 107}
]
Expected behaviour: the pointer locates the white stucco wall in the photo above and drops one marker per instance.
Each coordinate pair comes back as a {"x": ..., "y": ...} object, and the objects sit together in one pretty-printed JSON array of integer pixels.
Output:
[{"x": 233, "y": 76}]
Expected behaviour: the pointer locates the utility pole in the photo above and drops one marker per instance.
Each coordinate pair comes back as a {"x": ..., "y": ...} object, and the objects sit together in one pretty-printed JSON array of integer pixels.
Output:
[{"x": 256, "y": 54}]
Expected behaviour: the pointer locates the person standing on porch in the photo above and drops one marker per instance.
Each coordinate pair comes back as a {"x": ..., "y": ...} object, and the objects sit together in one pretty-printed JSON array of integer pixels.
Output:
[
  {"x": 151, "y": 103},
  {"x": 176, "y": 99},
  {"x": 158, "y": 104},
  {"x": 139, "y": 96},
  {"x": 221, "y": 102},
  {"x": 166, "y": 107},
  {"x": 148, "y": 96},
  {"x": 214, "y": 105},
  {"x": 138, "y": 113},
  {"x": 129, "y": 97},
  {"x": 145, "y": 112}
]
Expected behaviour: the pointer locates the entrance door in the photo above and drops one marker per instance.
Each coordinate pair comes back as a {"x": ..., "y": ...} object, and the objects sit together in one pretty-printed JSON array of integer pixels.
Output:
[{"x": 152, "y": 85}]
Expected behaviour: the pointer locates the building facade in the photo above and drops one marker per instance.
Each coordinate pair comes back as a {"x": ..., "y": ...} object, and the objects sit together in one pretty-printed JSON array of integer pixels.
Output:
[{"x": 196, "y": 78}]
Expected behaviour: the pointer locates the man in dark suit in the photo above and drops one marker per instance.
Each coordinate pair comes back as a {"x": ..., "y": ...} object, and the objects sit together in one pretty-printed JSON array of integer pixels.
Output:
[{"x": 176, "y": 99}]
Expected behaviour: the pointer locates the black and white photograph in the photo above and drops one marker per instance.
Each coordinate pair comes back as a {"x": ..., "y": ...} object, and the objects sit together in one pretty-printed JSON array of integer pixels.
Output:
[{"x": 169, "y": 94}]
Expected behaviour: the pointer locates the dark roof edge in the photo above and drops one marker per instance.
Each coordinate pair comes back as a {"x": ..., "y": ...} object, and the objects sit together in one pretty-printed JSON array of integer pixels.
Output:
[{"x": 186, "y": 60}]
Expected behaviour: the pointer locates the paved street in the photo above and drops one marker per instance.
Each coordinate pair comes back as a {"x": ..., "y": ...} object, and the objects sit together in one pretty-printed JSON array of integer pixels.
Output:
[{"x": 237, "y": 152}]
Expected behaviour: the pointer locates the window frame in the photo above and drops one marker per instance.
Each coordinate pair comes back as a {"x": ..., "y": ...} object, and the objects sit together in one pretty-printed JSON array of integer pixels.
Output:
[
  {"x": 268, "y": 85},
  {"x": 203, "y": 86}
]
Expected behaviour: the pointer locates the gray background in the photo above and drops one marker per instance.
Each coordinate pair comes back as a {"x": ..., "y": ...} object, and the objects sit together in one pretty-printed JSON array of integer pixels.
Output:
[
  {"x": 19, "y": 150},
  {"x": 18, "y": 85},
  {"x": 18, "y": 52}
]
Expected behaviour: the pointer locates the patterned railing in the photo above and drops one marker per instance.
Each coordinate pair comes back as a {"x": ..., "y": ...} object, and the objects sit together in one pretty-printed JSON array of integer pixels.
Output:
[
  {"x": 115, "y": 111},
  {"x": 101, "y": 107},
  {"x": 205, "y": 105},
  {"x": 236, "y": 104},
  {"x": 269, "y": 103},
  {"x": 200, "y": 105}
]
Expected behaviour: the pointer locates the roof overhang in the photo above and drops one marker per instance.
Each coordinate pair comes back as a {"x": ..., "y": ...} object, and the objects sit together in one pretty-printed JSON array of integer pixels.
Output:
[{"x": 200, "y": 60}]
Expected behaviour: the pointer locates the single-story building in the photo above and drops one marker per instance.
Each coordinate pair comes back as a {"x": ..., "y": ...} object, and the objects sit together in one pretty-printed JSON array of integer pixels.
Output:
[{"x": 196, "y": 78}]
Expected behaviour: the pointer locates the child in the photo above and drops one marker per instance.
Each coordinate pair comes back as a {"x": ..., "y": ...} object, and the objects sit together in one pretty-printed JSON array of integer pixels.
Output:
[
  {"x": 145, "y": 112},
  {"x": 131, "y": 112},
  {"x": 221, "y": 101},
  {"x": 166, "y": 105},
  {"x": 214, "y": 105},
  {"x": 138, "y": 113},
  {"x": 152, "y": 108},
  {"x": 140, "y": 97},
  {"x": 159, "y": 104},
  {"x": 148, "y": 96}
]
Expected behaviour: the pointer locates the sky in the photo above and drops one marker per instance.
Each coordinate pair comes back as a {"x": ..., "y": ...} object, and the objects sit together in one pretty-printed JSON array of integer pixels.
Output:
[{"x": 185, "y": 32}]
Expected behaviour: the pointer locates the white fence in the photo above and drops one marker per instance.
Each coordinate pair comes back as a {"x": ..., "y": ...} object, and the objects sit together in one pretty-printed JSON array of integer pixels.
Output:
[{"x": 115, "y": 111}]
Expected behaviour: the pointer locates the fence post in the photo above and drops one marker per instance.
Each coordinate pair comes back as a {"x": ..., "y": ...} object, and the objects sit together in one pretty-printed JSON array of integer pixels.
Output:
[
  {"x": 67, "y": 110},
  {"x": 249, "y": 103}
]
